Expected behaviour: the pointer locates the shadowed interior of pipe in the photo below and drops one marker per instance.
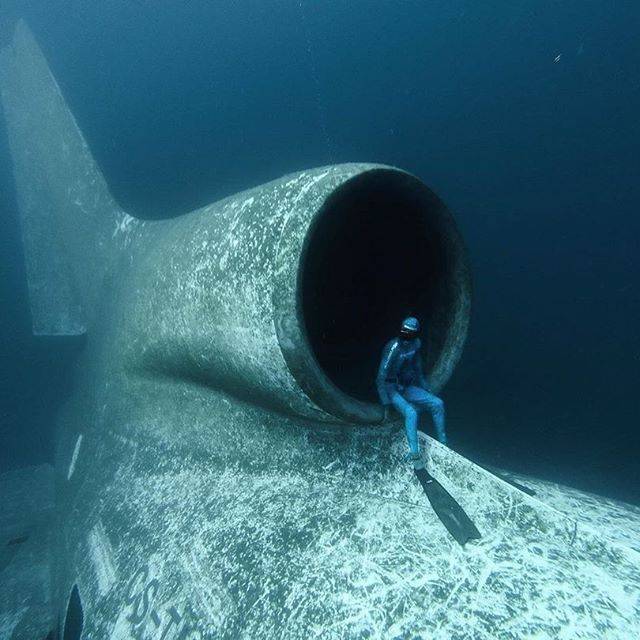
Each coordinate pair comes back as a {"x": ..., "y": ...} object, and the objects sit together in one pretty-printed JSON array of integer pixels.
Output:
[{"x": 378, "y": 251}]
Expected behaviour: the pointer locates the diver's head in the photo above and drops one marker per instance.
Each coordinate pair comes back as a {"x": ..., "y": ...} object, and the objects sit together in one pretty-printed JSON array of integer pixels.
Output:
[{"x": 410, "y": 328}]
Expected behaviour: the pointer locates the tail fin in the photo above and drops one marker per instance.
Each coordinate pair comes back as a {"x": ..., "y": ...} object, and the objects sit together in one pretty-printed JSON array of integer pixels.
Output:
[{"x": 69, "y": 218}]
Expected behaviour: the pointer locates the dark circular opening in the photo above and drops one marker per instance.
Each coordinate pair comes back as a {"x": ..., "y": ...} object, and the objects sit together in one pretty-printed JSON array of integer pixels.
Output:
[
  {"x": 74, "y": 620},
  {"x": 382, "y": 248}
]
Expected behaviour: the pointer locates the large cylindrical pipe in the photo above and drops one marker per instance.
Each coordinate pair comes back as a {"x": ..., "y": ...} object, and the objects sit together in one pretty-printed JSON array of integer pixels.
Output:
[{"x": 284, "y": 295}]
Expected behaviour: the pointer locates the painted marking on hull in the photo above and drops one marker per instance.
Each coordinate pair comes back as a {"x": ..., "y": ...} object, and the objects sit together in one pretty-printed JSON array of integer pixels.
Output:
[
  {"x": 147, "y": 616},
  {"x": 155, "y": 618}
]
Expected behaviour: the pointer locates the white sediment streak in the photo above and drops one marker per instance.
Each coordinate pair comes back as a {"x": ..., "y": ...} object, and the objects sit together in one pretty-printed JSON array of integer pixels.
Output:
[
  {"x": 102, "y": 558},
  {"x": 74, "y": 457},
  {"x": 9, "y": 621},
  {"x": 210, "y": 597}
]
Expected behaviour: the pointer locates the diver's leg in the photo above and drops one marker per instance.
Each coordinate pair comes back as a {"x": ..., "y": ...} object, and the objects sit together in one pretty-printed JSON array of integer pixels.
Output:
[
  {"x": 410, "y": 420},
  {"x": 423, "y": 398}
]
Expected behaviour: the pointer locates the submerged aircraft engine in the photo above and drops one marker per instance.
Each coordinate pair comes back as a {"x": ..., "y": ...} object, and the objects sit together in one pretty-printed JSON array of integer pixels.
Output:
[
  {"x": 223, "y": 467},
  {"x": 231, "y": 355}
]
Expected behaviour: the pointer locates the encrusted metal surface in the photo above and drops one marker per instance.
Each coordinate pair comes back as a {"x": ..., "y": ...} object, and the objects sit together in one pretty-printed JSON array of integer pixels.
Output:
[
  {"x": 69, "y": 220},
  {"x": 26, "y": 543},
  {"x": 339, "y": 541},
  {"x": 619, "y": 521}
]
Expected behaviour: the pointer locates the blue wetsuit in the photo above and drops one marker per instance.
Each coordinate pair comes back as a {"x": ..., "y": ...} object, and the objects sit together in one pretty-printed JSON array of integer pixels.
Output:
[{"x": 402, "y": 383}]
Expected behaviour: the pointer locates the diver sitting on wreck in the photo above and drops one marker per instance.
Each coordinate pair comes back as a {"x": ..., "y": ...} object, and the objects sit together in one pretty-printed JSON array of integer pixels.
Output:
[{"x": 401, "y": 382}]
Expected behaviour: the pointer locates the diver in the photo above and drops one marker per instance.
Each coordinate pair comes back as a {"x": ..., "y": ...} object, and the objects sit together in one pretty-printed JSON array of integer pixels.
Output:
[{"x": 401, "y": 382}]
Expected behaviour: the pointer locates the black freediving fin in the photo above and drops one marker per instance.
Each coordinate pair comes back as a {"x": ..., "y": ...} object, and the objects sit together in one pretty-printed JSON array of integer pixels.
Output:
[
  {"x": 451, "y": 514},
  {"x": 528, "y": 490},
  {"x": 517, "y": 485}
]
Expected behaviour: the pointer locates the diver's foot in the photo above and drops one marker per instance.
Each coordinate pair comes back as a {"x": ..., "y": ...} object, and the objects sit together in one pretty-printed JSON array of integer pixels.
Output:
[{"x": 416, "y": 459}]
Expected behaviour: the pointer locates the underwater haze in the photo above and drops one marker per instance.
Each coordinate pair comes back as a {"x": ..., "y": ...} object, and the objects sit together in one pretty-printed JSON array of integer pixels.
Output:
[{"x": 521, "y": 115}]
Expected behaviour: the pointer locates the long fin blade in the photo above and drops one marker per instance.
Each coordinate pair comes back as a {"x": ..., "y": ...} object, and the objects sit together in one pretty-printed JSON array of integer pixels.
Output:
[{"x": 450, "y": 513}]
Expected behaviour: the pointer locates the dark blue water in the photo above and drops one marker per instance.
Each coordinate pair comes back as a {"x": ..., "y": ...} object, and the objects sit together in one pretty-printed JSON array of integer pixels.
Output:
[{"x": 521, "y": 115}]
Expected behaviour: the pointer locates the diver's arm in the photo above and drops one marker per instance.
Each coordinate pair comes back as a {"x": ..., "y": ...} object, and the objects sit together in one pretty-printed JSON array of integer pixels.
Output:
[{"x": 383, "y": 369}]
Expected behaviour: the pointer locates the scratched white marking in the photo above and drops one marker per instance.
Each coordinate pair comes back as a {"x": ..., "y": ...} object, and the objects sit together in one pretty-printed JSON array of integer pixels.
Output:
[
  {"x": 123, "y": 225},
  {"x": 211, "y": 598},
  {"x": 9, "y": 621},
  {"x": 74, "y": 457},
  {"x": 102, "y": 558}
]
